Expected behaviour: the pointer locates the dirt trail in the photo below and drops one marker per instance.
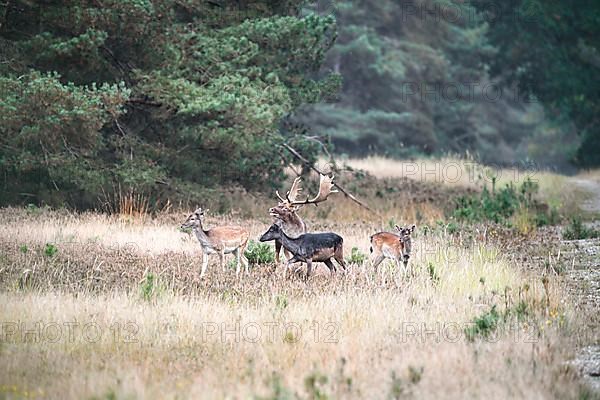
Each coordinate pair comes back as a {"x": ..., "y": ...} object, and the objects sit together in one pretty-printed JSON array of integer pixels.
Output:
[
  {"x": 584, "y": 284},
  {"x": 593, "y": 188}
]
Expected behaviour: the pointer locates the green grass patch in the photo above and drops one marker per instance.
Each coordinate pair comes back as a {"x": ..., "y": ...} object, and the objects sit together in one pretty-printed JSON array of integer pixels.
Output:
[{"x": 259, "y": 253}]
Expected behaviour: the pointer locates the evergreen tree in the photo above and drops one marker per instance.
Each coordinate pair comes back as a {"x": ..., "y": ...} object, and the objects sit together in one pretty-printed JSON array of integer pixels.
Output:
[
  {"x": 551, "y": 50},
  {"x": 156, "y": 96},
  {"x": 416, "y": 82}
]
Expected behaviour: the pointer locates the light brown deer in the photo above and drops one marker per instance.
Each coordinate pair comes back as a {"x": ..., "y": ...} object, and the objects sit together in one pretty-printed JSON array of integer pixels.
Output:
[
  {"x": 394, "y": 246},
  {"x": 219, "y": 240},
  {"x": 285, "y": 212}
]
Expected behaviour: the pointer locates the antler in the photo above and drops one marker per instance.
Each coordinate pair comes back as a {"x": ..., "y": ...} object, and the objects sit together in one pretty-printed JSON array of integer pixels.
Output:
[
  {"x": 325, "y": 189},
  {"x": 291, "y": 195}
]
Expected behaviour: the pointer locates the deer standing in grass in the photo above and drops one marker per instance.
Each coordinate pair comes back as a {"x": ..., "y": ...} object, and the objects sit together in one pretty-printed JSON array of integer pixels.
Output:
[
  {"x": 395, "y": 246},
  {"x": 285, "y": 212},
  {"x": 309, "y": 247},
  {"x": 219, "y": 240}
]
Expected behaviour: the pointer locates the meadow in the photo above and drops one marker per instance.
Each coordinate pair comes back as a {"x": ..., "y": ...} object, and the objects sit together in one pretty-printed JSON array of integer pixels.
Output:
[{"x": 110, "y": 306}]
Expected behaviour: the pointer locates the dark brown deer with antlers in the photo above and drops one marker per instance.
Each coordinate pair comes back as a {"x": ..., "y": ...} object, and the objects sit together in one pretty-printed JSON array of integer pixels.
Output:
[{"x": 285, "y": 212}]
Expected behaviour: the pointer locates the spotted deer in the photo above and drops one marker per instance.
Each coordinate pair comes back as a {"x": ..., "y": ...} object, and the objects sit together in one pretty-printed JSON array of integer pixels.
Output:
[
  {"x": 309, "y": 247},
  {"x": 395, "y": 246},
  {"x": 219, "y": 240},
  {"x": 285, "y": 212}
]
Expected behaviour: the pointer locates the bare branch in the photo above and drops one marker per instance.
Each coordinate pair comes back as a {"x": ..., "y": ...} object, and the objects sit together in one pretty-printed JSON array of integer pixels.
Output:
[{"x": 307, "y": 163}]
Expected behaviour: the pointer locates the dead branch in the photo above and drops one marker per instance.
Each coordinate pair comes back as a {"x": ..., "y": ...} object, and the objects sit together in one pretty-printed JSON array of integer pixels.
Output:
[{"x": 309, "y": 165}]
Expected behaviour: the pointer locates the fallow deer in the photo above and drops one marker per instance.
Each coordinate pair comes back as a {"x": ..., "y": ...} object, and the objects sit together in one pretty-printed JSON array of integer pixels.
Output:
[
  {"x": 285, "y": 212},
  {"x": 392, "y": 245},
  {"x": 219, "y": 240},
  {"x": 309, "y": 247}
]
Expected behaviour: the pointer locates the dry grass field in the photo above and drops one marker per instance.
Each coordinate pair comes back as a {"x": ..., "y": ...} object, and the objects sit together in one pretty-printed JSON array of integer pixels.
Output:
[{"x": 94, "y": 306}]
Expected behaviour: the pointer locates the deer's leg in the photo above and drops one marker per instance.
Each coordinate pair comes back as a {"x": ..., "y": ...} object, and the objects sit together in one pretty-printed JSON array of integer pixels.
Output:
[
  {"x": 243, "y": 258},
  {"x": 287, "y": 254},
  {"x": 238, "y": 260},
  {"x": 340, "y": 261},
  {"x": 289, "y": 264},
  {"x": 407, "y": 270},
  {"x": 308, "y": 267},
  {"x": 221, "y": 254},
  {"x": 277, "y": 250},
  {"x": 398, "y": 267},
  {"x": 339, "y": 256},
  {"x": 377, "y": 261},
  {"x": 204, "y": 264},
  {"x": 329, "y": 265}
]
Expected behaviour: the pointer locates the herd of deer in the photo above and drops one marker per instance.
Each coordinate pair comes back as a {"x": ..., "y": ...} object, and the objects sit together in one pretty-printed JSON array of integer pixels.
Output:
[{"x": 289, "y": 231}]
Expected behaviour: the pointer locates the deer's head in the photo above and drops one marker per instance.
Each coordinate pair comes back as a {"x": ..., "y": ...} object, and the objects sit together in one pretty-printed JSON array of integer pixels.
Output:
[
  {"x": 283, "y": 212},
  {"x": 273, "y": 233},
  {"x": 194, "y": 220},
  {"x": 404, "y": 234}
]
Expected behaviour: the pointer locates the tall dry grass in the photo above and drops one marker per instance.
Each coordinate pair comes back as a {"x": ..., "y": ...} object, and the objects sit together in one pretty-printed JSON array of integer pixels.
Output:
[{"x": 87, "y": 322}]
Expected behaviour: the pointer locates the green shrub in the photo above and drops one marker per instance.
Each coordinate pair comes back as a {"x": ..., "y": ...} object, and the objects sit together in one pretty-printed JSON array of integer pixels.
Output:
[
  {"x": 356, "y": 256},
  {"x": 577, "y": 230},
  {"x": 259, "y": 253},
  {"x": 435, "y": 278},
  {"x": 483, "y": 325},
  {"x": 50, "y": 250},
  {"x": 452, "y": 227},
  {"x": 23, "y": 248},
  {"x": 278, "y": 390},
  {"x": 315, "y": 384},
  {"x": 281, "y": 302},
  {"x": 521, "y": 310},
  {"x": 150, "y": 288},
  {"x": 499, "y": 205}
]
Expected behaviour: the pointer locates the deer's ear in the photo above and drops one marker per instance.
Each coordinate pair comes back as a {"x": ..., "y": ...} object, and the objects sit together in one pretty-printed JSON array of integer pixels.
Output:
[
  {"x": 412, "y": 228},
  {"x": 398, "y": 228}
]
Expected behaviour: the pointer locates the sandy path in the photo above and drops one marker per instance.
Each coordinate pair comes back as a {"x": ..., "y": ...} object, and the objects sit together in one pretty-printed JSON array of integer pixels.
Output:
[
  {"x": 593, "y": 188},
  {"x": 584, "y": 279}
]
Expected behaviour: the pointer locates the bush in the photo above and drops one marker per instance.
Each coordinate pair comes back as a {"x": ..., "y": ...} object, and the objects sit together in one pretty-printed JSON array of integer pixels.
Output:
[
  {"x": 259, "y": 253},
  {"x": 50, "y": 250},
  {"x": 500, "y": 205},
  {"x": 356, "y": 256},
  {"x": 150, "y": 288},
  {"x": 577, "y": 230},
  {"x": 483, "y": 325}
]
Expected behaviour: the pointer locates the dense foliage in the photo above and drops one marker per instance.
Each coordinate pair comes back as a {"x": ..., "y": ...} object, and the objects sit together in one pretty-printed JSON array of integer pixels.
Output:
[
  {"x": 551, "y": 50},
  {"x": 416, "y": 80},
  {"x": 415, "y": 83},
  {"x": 162, "y": 97},
  {"x": 168, "y": 97}
]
